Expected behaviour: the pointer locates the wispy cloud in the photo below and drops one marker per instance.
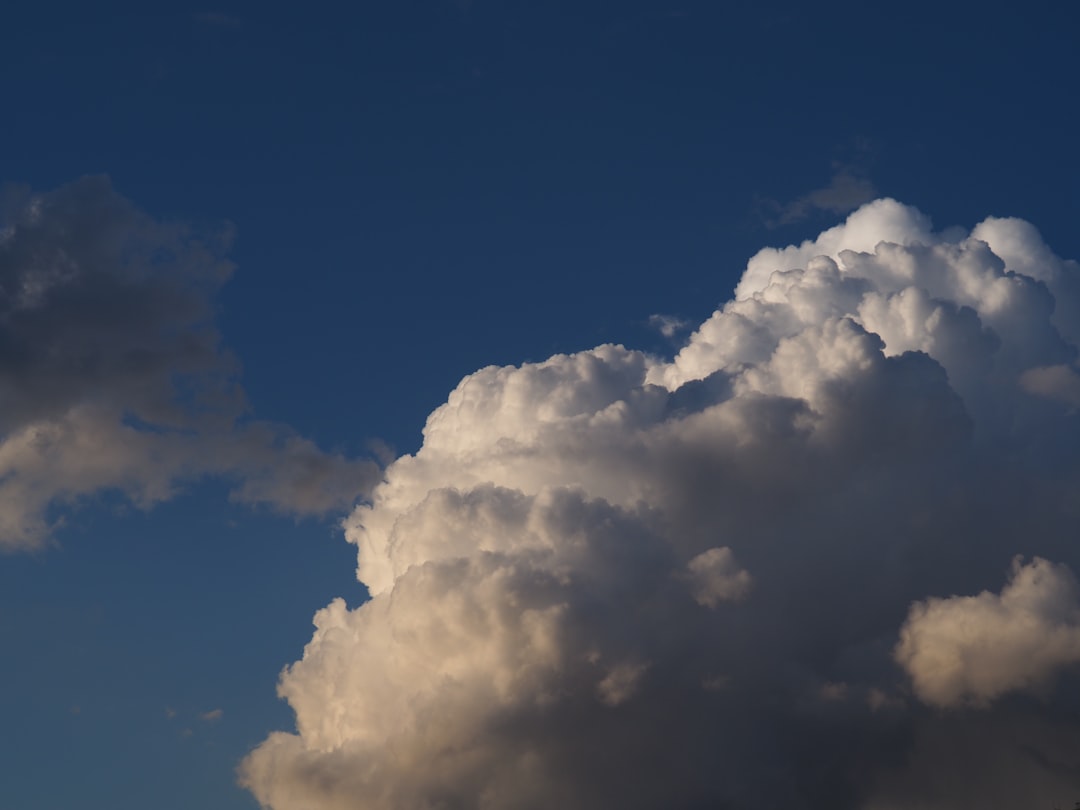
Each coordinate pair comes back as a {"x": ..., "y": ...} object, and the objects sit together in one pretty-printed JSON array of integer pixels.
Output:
[
  {"x": 848, "y": 188},
  {"x": 668, "y": 325}
]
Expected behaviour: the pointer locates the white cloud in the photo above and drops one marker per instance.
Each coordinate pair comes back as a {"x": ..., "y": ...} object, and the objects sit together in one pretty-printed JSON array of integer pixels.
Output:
[
  {"x": 883, "y": 220},
  {"x": 974, "y": 649},
  {"x": 112, "y": 375},
  {"x": 610, "y": 579}
]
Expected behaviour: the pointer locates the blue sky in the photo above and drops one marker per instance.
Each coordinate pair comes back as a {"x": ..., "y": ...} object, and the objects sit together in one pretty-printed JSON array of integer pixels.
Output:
[{"x": 418, "y": 190}]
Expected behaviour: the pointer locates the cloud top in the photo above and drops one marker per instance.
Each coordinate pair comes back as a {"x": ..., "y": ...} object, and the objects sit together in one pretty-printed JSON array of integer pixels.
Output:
[{"x": 615, "y": 579}]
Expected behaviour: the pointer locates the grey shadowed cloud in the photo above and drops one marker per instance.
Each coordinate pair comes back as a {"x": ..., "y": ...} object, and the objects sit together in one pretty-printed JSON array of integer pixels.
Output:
[
  {"x": 766, "y": 572},
  {"x": 112, "y": 373},
  {"x": 848, "y": 188}
]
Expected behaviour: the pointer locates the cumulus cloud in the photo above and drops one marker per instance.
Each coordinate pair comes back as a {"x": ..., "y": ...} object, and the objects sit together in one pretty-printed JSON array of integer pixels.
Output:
[
  {"x": 978, "y": 648},
  {"x": 112, "y": 373},
  {"x": 612, "y": 579}
]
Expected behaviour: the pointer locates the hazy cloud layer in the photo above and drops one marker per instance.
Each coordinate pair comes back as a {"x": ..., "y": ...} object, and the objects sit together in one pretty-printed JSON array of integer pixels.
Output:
[
  {"x": 111, "y": 372},
  {"x": 738, "y": 577}
]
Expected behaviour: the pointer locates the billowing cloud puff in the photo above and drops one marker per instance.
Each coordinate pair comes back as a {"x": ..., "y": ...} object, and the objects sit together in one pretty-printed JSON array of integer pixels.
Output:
[
  {"x": 618, "y": 580},
  {"x": 977, "y": 648},
  {"x": 111, "y": 372},
  {"x": 717, "y": 578}
]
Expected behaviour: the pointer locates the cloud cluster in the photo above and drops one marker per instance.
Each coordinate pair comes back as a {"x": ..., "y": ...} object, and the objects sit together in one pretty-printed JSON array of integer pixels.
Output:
[
  {"x": 111, "y": 372},
  {"x": 729, "y": 578}
]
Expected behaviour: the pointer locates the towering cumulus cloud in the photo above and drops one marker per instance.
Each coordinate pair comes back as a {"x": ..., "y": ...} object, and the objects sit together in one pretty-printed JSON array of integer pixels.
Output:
[
  {"x": 111, "y": 373},
  {"x": 772, "y": 571}
]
